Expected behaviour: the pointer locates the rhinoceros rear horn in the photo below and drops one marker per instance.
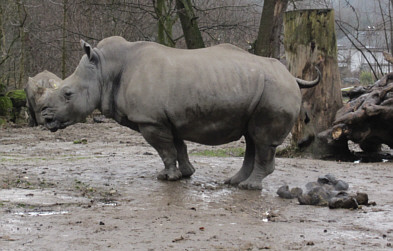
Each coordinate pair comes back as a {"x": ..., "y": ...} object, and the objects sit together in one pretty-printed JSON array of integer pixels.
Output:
[{"x": 88, "y": 50}]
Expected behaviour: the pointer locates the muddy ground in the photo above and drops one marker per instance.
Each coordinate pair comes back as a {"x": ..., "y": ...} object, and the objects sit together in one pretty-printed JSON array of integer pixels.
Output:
[{"x": 94, "y": 187}]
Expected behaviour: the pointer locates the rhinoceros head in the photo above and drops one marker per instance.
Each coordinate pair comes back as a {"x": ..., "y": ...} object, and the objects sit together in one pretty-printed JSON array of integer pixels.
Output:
[
  {"x": 77, "y": 96},
  {"x": 36, "y": 88}
]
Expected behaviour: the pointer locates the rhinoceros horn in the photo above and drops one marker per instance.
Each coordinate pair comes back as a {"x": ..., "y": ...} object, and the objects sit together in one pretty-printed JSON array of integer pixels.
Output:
[{"x": 308, "y": 84}]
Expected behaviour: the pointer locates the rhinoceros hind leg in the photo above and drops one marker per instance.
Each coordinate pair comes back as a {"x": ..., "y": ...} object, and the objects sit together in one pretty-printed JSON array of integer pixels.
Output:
[
  {"x": 248, "y": 164},
  {"x": 185, "y": 166},
  {"x": 161, "y": 139},
  {"x": 263, "y": 166}
]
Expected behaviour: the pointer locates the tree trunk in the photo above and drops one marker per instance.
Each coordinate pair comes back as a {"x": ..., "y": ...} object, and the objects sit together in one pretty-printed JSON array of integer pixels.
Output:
[
  {"x": 309, "y": 41},
  {"x": 1, "y": 32},
  {"x": 268, "y": 41},
  {"x": 165, "y": 23},
  {"x": 189, "y": 23},
  {"x": 391, "y": 26},
  {"x": 22, "y": 18},
  {"x": 64, "y": 46}
]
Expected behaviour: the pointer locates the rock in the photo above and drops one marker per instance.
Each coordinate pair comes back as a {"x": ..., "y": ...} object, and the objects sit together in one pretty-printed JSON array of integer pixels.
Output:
[
  {"x": 341, "y": 185},
  {"x": 18, "y": 98},
  {"x": 296, "y": 192},
  {"x": 11, "y": 105},
  {"x": 339, "y": 194},
  {"x": 5, "y": 106},
  {"x": 362, "y": 198},
  {"x": 323, "y": 180},
  {"x": 311, "y": 185},
  {"x": 327, "y": 179},
  {"x": 304, "y": 199},
  {"x": 283, "y": 192},
  {"x": 314, "y": 199},
  {"x": 331, "y": 178},
  {"x": 319, "y": 196},
  {"x": 343, "y": 202}
]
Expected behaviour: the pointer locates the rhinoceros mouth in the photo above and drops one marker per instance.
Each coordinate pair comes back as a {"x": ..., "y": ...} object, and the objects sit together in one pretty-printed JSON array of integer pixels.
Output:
[{"x": 52, "y": 125}]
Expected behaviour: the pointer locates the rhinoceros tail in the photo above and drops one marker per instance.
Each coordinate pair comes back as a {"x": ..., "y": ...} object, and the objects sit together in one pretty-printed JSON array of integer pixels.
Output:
[{"x": 308, "y": 84}]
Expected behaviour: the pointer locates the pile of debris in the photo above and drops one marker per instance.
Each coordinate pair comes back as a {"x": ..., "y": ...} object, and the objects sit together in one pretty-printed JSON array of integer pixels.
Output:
[{"x": 326, "y": 191}]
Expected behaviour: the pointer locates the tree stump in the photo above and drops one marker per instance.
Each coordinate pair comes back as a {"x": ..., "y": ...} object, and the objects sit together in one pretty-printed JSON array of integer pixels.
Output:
[
  {"x": 310, "y": 40},
  {"x": 367, "y": 118}
]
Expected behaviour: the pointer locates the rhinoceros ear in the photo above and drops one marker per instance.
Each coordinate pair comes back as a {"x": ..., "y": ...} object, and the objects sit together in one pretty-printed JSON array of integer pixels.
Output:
[
  {"x": 31, "y": 85},
  {"x": 91, "y": 54}
]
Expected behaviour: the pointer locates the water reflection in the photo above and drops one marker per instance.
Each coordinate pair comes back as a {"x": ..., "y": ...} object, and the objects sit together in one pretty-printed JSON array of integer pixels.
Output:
[{"x": 41, "y": 213}]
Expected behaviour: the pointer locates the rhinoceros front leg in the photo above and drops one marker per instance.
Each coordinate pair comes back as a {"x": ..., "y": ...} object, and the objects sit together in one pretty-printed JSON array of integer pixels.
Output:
[
  {"x": 185, "y": 166},
  {"x": 161, "y": 139},
  {"x": 248, "y": 164}
]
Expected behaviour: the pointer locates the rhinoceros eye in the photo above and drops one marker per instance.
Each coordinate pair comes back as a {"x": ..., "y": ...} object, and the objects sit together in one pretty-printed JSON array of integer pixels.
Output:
[{"x": 67, "y": 94}]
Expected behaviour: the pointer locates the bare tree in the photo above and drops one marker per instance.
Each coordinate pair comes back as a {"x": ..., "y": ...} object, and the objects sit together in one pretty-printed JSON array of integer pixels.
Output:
[
  {"x": 166, "y": 19},
  {"x": 64, "y": 47},
  {"x": 268, "y": 41},
  {"x": 367, "y": 25},
  {"x": 189, "y": 23}
]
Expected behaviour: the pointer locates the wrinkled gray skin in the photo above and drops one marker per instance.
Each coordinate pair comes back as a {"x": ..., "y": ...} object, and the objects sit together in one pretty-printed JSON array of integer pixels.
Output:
[
  {"x": 211, "y": 96},
  {"x": 36, "y": 87}
]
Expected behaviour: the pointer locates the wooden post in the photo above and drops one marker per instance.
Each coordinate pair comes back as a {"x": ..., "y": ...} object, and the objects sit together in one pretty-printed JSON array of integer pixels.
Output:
[{"x": 309, "y": 41}]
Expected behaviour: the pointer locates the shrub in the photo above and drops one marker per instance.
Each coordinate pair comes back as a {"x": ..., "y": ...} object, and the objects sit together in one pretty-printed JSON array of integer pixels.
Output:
[{"x": 366, "y": 78}]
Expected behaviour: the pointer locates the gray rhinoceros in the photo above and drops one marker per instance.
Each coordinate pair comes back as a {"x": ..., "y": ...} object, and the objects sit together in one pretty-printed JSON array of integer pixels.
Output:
[
  {"x": 210, "y": 96},
  {"x": 35, "y": 89}
]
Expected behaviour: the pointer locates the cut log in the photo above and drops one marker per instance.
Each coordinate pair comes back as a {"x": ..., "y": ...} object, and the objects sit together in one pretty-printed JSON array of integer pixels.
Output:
[{"x": 367, "y": 118}]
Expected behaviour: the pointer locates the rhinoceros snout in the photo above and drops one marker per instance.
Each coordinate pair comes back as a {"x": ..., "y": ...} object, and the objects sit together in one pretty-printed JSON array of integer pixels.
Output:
[
  {"x": 48, "y": 121},
  {"x": 51, "y": 124}
]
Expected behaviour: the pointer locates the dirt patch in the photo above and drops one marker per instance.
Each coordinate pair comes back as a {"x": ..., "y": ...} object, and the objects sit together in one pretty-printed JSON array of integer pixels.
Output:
[{"x": 94, "y": 187}]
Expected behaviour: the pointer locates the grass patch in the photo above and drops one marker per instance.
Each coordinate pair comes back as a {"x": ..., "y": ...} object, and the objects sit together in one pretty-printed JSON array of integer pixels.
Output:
[
  {"x": 80, "y": 141},
  {"x": 227, "y": 152},
  {"x": 24, "y": 183},
  {"x": 85, "y": 189}
]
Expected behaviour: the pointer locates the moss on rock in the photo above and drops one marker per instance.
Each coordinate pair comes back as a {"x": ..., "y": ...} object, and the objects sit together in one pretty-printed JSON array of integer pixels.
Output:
[
  {"x": 18, "y": 98},
  {"x": 3, "y": 121},
  {"x": 5, "y": 106}
]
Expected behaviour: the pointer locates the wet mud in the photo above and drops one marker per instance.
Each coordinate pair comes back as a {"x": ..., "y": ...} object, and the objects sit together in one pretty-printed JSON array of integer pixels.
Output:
[{"x": 94, "y": 187}]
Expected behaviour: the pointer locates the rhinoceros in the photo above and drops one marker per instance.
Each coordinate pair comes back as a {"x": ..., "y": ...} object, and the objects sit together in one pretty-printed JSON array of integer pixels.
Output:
[
  {"x": 210, "y": 96},
  {"x": 35, "y": 89}
]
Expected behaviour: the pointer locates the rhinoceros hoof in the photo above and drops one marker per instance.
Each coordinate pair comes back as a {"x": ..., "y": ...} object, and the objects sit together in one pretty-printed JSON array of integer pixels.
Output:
[
  {"x": 236, "y": 179},
  {"x": 231, "y": 181},
  {"x": 169, "y": 174},
  {"x": 187, "y": 171},
  {"x": 250, "y": 185}
]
